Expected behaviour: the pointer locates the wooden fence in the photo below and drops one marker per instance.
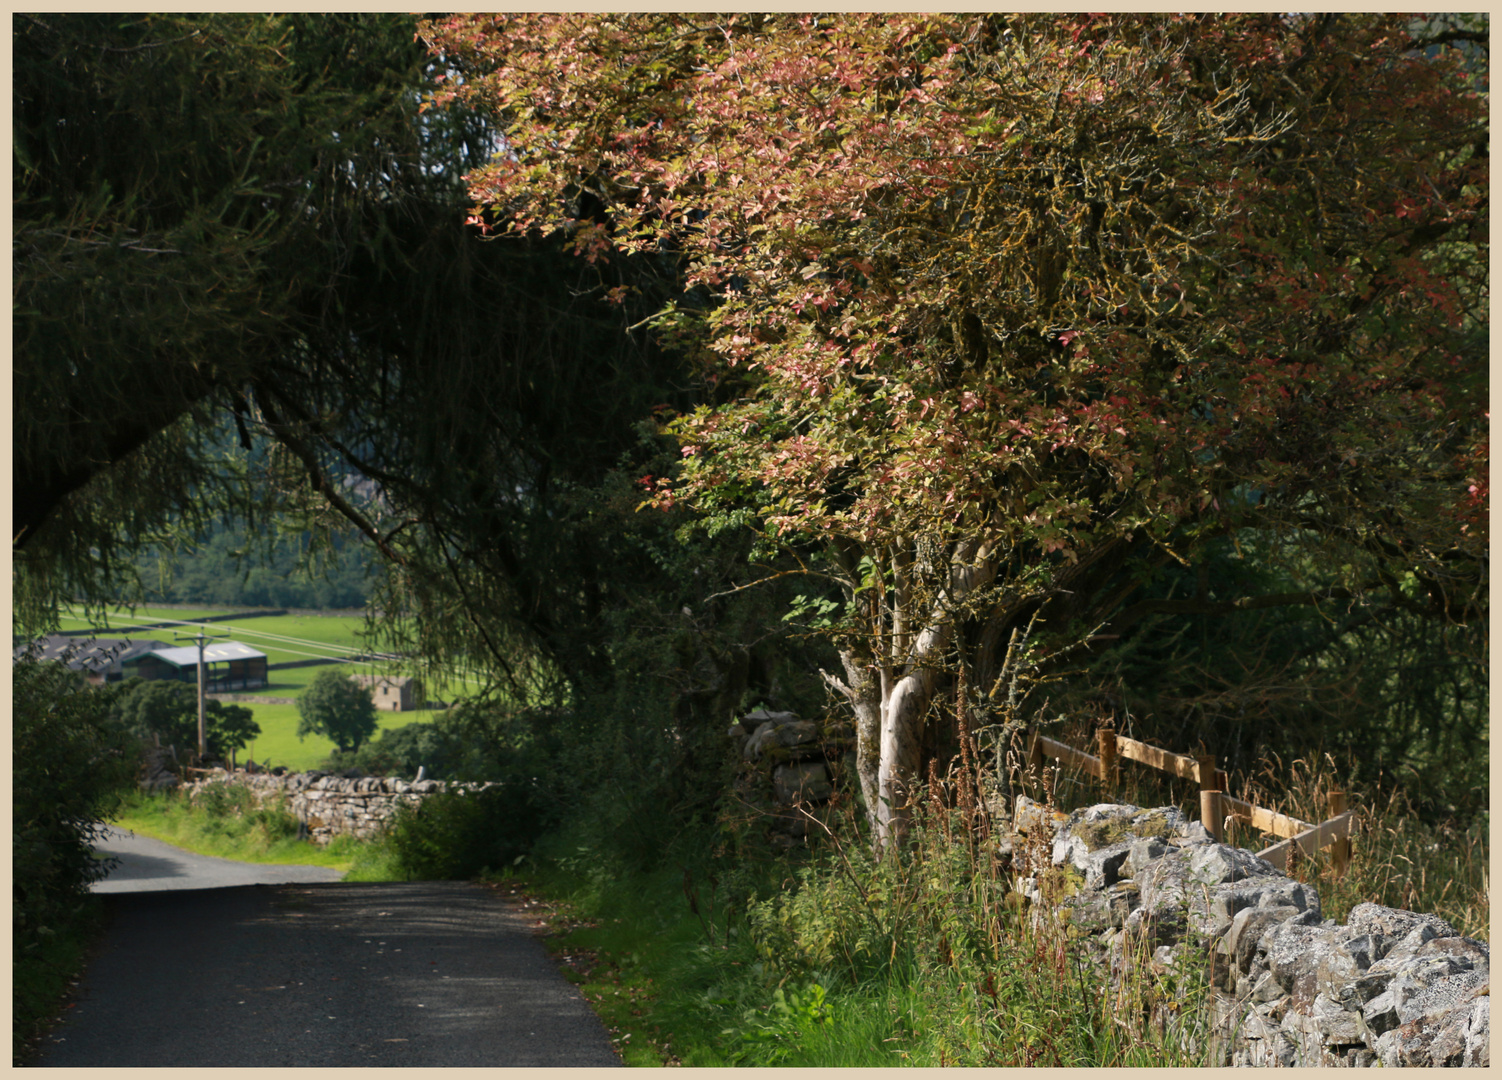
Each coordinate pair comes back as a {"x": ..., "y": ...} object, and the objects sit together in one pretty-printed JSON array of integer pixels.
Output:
[{"x": 1216, "y": 804}]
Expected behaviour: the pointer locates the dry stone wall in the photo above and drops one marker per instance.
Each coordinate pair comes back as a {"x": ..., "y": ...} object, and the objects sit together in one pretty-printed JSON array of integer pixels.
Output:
[
  {"x": 331, "y": 805},
  {"x": 789, "y": 766},
  {"x": 1287, "y": 987}
]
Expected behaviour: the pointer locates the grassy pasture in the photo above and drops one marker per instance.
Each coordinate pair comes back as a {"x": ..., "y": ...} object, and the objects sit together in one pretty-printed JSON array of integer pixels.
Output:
[
  {"x": 121, "y": 620},
  {"x": 278, "y": 743},
  {"x": 283, "y": 638}
]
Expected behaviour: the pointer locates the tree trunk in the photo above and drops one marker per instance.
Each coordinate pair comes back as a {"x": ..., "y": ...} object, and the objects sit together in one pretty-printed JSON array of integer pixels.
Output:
[
  {"x": 891, "y": 693},
  {"x": 902, "y": 712},
  {"x": 863, "y": 691}
]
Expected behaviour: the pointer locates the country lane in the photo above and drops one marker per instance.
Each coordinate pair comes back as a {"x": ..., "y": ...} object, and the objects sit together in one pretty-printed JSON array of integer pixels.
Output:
[{"x": 319, "y": 974}]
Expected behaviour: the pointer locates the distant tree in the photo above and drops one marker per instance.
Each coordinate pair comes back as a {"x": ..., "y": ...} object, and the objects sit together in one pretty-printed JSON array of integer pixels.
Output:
[
  {"x": 338, "y": 708},
  {"x": 169, "y": 710}
]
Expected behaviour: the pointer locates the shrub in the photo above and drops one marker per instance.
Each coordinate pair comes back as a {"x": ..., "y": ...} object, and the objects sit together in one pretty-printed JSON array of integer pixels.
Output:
[
  {"x": 71, "y": 768},
  {"x": 457, "y": 835}
]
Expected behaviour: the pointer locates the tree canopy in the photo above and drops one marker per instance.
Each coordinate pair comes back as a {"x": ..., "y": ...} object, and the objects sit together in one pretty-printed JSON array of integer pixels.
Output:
[
  {"x": 338, "y": 708},
  {"x": 244, "y": 288},
  {"x": 168, "y": 710},
  {"x": 1013, "y": 311}
]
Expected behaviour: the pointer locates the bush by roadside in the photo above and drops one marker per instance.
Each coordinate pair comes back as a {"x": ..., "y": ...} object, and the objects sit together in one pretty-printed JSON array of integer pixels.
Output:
[{"x": 71, "y": 768}]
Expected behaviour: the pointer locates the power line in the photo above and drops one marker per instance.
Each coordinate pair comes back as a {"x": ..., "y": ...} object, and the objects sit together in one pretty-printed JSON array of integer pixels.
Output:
[{"x": 352, "y": 655}]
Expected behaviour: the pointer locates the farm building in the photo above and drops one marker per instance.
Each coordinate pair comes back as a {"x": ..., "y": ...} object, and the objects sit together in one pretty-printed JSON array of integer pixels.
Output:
[
  {"x": 228, "y": 665},
  {"x": 392, "y": 693},
  {"x": 101, "y": 660}
]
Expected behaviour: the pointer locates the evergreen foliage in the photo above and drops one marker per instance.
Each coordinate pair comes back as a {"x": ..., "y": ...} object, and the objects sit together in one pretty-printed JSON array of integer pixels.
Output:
[{"x": 234, "y": 568}]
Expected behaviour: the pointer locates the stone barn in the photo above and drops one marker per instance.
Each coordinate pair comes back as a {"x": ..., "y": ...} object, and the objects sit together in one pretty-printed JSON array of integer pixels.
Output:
[{"x": 393, "y": 693}]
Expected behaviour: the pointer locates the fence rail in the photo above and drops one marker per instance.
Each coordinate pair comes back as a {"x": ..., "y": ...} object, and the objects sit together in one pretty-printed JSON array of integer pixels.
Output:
[{"x": 1216, "y": 804}]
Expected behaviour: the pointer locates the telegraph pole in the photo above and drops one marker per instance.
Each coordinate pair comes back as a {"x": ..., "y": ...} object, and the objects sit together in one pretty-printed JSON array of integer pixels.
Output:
[{"x": 203, "y": 732}]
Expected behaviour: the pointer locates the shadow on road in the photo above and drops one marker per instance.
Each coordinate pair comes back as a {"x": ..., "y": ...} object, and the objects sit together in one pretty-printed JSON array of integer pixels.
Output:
[{"x": 325, "y": 975}]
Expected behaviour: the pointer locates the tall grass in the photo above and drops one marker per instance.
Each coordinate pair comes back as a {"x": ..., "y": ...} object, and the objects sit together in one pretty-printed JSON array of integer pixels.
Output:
[
  {"x": 849, "y": 959},
  {"x": 842, "y": 958},
  {"x": 1399, "y": 860}
]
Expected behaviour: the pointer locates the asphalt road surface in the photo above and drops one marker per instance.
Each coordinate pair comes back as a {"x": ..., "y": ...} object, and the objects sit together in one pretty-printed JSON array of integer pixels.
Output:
[
  {"x": 146, "y": 865},
  {"x": 322, "y": 975}
]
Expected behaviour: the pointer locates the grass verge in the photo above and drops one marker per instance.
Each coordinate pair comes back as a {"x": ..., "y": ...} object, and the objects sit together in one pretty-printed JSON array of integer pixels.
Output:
[
  {"x": 843, "y": 961},
  {"x": 849, "y": 961},
  {"x": 228, "y": 827}
]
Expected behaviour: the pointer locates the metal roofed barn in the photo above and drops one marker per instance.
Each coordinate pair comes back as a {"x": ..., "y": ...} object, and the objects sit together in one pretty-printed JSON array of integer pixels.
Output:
[
  {"x": 229, "y": 665},
  {"x": 100, "y": 659}
]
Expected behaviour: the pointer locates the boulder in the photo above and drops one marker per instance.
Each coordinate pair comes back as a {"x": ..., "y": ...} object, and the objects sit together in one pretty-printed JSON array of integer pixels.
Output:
[
  {"x": 753, "y": 720},
  {"x": 777, "y": 732},
  {"x": 1033, "y": 819},
  {"x": 1199, "y": 890},
  {"x": 804, "y": 781}
]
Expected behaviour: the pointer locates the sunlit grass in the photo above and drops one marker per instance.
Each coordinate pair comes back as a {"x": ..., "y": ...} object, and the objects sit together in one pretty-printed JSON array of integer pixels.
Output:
[
  {"x": 781, "y": 989},
  {"x": 233, "y": 829},
  {"x": 120, "y": 621},
  {"x": 278, "y": 743}
]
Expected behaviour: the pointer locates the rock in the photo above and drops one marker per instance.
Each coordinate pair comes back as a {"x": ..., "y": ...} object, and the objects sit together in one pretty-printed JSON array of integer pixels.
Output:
[
  {"x": 1215, "y": 864},
  {"x": 1307, "y": 959},
  {"x": 1389, "y": 987},
  {"x": 1381, "y": 1012},
  {"x": 1143, "y": 853},
  {"x": 806, "y": 781},
  {"x": 1441, "y": 997},
  {"x": 1336, "y": 1024},
  {"x": 1477, "y": 1053},
  {"x": 796, "y": 733},
  {"x": 1099, "y": 840},
  {"x": 1192, "y": 833},
  {"x": 1101, "y": 868},
  {"x": 787, "y": 735},
  {"x": 754, "y": 720},
  {"x": 1093, "y": 911},
  {"x": 1238, "y": 945},
  {"x": 1395, "y": 922},
  {"x": 1034, "y": 819},
  {"x": 753, "y": 748},
  {"x": 1200, "y": 889}
]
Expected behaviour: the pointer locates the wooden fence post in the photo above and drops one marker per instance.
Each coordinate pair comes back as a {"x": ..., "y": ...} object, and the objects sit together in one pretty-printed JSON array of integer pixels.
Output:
[
  {"x": 1105, "y": 737},
  {"x": 1340, "y": 851},
  {"x": 1210, "y": 814}
]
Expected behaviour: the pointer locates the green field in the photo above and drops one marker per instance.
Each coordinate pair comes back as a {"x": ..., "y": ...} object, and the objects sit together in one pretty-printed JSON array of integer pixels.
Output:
[
  {"x": 120, "y": 620},
  {"x": 278, "y": 743},
  {"x": 283, "y": 638}
]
